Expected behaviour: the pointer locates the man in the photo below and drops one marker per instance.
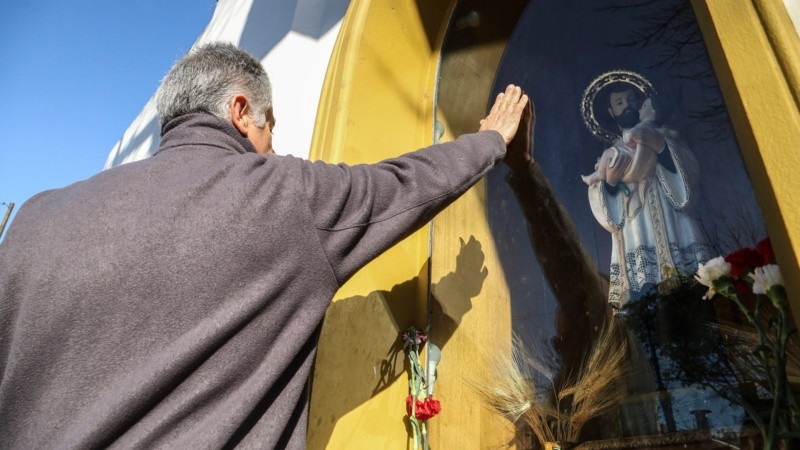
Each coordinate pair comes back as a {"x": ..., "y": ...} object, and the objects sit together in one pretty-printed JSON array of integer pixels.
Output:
[
  {"x": 581, "y": 292},
  {"x": 647, "y": 184},
  {"x": 176, "y": 301}
]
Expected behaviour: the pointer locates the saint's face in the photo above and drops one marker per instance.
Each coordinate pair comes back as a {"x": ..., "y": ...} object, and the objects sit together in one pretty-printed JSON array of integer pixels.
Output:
[
  {"x": 624, "y": 108},
  {"x": 619, "y": 101}
]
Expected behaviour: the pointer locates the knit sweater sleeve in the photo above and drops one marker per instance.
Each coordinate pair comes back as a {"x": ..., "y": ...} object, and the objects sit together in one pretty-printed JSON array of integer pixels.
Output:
[{"x": 361, "y": 210}]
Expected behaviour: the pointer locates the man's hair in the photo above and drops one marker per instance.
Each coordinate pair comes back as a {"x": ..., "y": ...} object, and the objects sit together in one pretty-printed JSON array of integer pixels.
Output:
[{"x": 206, "y": 79}]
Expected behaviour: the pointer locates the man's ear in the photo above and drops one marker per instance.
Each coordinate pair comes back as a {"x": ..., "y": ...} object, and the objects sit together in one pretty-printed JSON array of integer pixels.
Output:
[
  {"x": 270, "y": 118},
  {"x": 239, "y": 116}
]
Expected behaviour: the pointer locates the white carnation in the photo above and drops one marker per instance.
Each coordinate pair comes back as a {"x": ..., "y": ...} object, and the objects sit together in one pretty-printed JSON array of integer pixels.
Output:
[
  {"x": 765, "y": 277},
  {"x": 710, "y": 272}
]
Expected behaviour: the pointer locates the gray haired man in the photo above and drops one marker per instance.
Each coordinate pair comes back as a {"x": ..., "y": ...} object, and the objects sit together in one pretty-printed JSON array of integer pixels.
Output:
[{"x": 176, "y": 301}]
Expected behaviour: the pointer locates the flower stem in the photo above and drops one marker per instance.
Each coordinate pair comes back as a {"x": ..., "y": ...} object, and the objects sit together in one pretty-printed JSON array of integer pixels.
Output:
[{"x": 414, "y": 426}]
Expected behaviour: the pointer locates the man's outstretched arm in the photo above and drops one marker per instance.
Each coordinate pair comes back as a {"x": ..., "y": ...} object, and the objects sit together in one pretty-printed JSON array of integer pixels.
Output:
[
  {"x": 573, "y": 276},
  {"x": 361, "y": 211}
]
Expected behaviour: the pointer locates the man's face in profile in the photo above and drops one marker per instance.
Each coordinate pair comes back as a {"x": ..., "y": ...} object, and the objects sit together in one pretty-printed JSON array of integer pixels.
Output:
[
  {"x": 624, "y": 108},
  {"x": 261, "y": 137}
]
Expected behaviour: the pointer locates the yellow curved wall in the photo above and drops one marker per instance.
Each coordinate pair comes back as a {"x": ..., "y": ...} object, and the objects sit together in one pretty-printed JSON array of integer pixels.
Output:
[
  {"x": 377, "y": 102},
  {"x": 755, "y": 51}
]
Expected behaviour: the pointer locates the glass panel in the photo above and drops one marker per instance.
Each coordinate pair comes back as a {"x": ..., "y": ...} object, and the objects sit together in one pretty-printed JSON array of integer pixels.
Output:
[{"x": 636, "y": 180}]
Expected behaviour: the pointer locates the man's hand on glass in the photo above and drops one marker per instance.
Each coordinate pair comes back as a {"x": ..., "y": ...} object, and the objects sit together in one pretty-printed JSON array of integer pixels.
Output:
[
  {"x": 505, "y": 115},
  {"x": 518, "y": 155}
]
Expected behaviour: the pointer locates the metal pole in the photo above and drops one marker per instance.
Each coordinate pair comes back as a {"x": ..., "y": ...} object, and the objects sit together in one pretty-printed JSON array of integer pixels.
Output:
[{"x": 9, "y": 208}]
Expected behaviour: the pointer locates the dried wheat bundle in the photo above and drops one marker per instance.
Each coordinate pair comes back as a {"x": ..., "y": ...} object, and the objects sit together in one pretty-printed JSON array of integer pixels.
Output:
[
  {"x": 555, "y": 411},
  {"x": 599, "y": 384}
]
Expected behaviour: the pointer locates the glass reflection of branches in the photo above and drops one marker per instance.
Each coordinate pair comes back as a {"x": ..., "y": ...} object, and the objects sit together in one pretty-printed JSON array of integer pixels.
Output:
[
  {"x": 683, "y": 351},
  {"x": 733, "y": 226},
  {"x": 669, "y": 30}
]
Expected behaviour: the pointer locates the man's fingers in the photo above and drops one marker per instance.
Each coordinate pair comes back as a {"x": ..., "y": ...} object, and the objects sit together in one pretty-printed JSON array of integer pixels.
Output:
[
  {"x": 506, "y": 112},
  {"x": 512, "y": 97},
  {"x": 508, "y": 99},
  {"x": 514, "y": 93},
  {"x": 521, "y": 104},
  {"x": 497, "y": 103}
]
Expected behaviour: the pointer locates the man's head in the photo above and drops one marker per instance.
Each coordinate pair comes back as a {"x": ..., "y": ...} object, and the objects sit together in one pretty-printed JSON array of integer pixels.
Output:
[
  {"x": 624, "y": 103},
  {"x": 222, "y": 80}
]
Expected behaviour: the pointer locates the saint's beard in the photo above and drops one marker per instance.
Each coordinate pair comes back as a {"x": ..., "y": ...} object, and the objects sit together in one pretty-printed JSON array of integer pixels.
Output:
[{"x": 628, "y": 119}]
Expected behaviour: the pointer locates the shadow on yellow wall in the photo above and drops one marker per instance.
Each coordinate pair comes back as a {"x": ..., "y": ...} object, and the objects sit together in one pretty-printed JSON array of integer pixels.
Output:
[{"x": 363, "y": 356}]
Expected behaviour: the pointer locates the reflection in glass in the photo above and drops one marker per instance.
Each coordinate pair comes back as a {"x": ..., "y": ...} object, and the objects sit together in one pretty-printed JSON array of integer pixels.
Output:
[
  {"x": 643, "y": 186},
  {"x": 636, "y": 179}
]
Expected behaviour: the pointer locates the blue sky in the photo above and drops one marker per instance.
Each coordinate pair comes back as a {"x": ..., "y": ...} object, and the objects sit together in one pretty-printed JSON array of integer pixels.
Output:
[{"x": 74, "y": 75}]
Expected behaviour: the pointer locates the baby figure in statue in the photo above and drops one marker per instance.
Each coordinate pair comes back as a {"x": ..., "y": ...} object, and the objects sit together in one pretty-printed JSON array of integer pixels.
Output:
[{"x": 643, "y": 159}]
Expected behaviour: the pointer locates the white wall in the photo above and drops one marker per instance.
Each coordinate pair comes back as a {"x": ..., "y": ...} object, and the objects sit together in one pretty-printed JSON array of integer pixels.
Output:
[
  {"x": 292, "y": 38},
  {"x": 793, "y": 7}
]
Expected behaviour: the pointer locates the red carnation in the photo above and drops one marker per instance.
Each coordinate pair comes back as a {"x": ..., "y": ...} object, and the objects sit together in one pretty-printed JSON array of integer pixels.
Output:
[
  {"x": 765, "y": 249},
  {"x": 433, "y": 407},
  {"x": 412, "y": 336},
  {"x": 744, "y": 260},
  {"x": 425, "y": 408}
]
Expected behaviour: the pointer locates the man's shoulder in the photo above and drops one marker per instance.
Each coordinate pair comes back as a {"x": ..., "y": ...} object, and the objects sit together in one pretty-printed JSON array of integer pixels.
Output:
[{"x": 37, "y": 199}]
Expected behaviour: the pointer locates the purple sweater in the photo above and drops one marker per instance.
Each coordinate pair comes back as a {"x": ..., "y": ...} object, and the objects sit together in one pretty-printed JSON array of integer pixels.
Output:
[{"x": 176, "y": 301}]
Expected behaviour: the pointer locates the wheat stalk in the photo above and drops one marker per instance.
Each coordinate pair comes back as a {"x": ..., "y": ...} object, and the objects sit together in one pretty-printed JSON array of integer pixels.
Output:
[
  {"x": 599, "y": 384},
  {"x": 509, "y": 385}
]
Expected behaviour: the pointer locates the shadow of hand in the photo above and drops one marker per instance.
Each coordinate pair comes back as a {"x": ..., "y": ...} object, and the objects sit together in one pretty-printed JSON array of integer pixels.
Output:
[{"x": 453, "y": 294}]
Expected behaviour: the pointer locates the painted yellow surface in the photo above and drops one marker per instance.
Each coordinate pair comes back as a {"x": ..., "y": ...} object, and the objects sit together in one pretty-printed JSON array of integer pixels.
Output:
[
  {"x": 755, "y": 52},
  {"x": 471, "y": 317},
  {"x": 377, "y": 102},
  {"x": 470, "y": 321},
  {"x": 784, "y": 40}
]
